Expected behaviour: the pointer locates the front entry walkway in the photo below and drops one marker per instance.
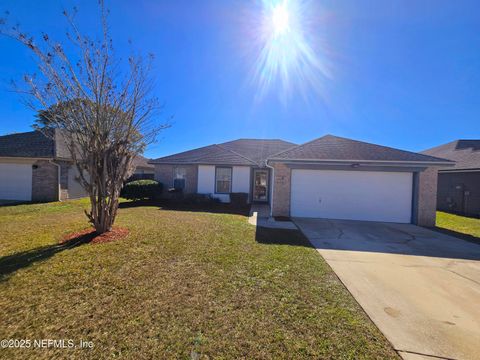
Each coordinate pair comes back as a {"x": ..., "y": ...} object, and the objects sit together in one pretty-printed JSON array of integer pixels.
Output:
[
  {"x": 260, "y": 217},
  {"x": 262, "y": 210},
  {"x": 421, "y": 288}
]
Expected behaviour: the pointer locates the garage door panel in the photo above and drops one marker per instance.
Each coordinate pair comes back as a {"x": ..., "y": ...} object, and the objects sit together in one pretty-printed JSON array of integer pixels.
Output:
[
  {"x": 16, "y": 182},
  {"x": 352, "y": 195}
]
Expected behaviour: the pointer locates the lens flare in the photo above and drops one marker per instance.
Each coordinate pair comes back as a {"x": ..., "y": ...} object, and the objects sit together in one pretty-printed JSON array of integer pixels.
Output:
[
  {"x": 280, "y": 19},
  {"x": 286, "y": 59}
]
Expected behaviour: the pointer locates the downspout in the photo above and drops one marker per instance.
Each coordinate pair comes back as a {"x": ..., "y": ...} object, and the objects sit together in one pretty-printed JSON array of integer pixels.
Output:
[{"x": 272, "y": 186}]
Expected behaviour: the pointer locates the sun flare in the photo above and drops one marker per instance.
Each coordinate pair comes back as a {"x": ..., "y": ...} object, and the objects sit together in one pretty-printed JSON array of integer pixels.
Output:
[
  {"x": 288, "y": 59},
  {"x": 280, "y": 19}
]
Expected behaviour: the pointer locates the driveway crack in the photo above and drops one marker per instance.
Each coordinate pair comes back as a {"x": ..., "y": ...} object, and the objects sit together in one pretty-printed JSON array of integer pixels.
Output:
[{"x": 426, "y": 355}]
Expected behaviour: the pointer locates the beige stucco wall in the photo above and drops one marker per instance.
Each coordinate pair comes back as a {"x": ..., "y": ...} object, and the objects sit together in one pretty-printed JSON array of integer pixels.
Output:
[
  {"x": 281, "y": 190},
  {"x": 427, "y": 197}
]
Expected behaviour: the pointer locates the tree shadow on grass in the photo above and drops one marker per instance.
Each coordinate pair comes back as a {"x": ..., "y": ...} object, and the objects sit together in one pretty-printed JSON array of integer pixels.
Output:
[
  {"x": 11, "y": 263},
  {"x": 463, "y": 236},
  {"x": 216, "y": 208},
  {"x": 271, "y": 236}
]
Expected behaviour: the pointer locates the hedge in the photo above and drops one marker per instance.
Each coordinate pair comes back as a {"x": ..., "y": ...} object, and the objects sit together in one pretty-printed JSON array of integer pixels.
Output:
[{"x": 142, "y": 189}]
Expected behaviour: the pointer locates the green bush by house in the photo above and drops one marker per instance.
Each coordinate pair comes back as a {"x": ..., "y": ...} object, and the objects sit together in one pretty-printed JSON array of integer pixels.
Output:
[
  {"x": 239, "y": 199},
  {"x": 142, "y": 189}
]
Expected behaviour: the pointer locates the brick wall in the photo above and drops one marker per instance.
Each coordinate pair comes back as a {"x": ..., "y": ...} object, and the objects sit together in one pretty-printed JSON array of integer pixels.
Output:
[
  {"x": 281, "y": 190},
  {"x": 459, "y": 193},
  {"x": 427, "y": 197},
  {"x": 44, "y": 181},
  {"x": 164, "y": 174}
]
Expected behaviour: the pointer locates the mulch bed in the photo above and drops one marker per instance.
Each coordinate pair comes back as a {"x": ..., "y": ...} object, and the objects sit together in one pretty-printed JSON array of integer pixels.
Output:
[{"x": 90, "y": 235}]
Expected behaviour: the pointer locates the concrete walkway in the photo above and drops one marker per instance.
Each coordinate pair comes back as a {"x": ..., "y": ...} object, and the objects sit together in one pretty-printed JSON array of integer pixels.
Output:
[
  {"x": 421, "y": 288},
  {"x": 260, "y": 216}
]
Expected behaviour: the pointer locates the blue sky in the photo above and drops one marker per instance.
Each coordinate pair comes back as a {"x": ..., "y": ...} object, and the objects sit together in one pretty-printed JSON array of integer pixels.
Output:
[{"x": 402, "y": 73}]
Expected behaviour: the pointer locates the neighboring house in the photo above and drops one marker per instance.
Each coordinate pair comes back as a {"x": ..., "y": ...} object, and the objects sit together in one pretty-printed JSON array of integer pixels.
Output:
[
  {"x": 459, "y": 186},
  {"x": 330, "y": 177},
  {"x": 38, "y": 168},
  {"x": 143, "y": 170}
]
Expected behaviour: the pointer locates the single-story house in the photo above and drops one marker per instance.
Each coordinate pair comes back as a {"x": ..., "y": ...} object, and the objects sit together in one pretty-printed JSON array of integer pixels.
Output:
[
  {"x": 39, "y": 168},
  {"x": 459, "y": 186},
  {"x": 329, "y": 177}
]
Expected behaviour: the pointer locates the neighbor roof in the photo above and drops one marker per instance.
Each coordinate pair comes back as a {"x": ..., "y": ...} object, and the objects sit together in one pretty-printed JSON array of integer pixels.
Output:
[
  {"x": 34, "y": 144},
  {"x": 465, "y": 153},
  {"x": 142, "y": 162},
  {"x": 331, "y": 147},
  {"x": 248, "y": 152},
  {"x": 47, "y": 144}
]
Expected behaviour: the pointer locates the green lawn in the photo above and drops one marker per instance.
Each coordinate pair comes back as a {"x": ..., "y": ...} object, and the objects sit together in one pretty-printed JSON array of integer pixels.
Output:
[
  {"x": 183, "y": 284},
  {"x": 469, "y": 227}
]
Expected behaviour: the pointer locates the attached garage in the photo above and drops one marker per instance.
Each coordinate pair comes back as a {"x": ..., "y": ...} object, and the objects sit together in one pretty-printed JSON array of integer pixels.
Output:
[
  {"x": 15, "y": 181},
  {"x": 337, "y": 178},
  {"x": 352, "y": 195}
]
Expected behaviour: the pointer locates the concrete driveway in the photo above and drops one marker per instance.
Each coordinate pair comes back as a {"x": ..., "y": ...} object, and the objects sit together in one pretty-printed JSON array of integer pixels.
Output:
[{"x": 421, "y": 288}]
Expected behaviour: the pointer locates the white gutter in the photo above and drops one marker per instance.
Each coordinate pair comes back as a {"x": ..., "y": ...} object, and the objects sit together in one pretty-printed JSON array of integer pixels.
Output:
[
  {"x": 376, "y": 162},
  {"x": 447, "y": 171}
]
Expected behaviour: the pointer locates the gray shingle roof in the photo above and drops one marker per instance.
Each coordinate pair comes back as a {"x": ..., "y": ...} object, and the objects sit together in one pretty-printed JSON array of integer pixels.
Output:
[
  {"x": 258, "y": 150},
  {"x": 466, "y": 153},
  {"x": 212, "y": 154},
  {"x": 142, "y": 162},
  {"x": 331, "y": 147},
  {"x": 37, "y": 144},
  {"x": 29, "y": 144},
  {"x": 238, "y": 152}
]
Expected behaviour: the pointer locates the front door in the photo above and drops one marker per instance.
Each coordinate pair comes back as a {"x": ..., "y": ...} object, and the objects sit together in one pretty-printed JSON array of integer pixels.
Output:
[{"x": 260, "y": 185}]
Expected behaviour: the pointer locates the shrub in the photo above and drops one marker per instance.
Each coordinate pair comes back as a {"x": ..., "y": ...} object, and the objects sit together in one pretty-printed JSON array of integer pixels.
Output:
[
  {"x": 203, "y": 199},
  {"x": 142, "y": 189},
  {"x": 239, "y": 199}
]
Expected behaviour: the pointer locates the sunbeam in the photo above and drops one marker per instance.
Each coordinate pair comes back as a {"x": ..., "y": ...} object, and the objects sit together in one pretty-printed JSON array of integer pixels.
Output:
[{"x": 286, "y": 59}]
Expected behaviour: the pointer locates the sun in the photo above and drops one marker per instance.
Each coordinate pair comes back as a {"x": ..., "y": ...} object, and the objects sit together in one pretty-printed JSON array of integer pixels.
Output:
[
  {"x": 288, "y": 61},
  {"x": 280, "y": 19}
]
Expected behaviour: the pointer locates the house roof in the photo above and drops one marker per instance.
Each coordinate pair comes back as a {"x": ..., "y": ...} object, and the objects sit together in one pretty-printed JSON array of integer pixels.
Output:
[
  {"x": 28, "y": 144},
  {"x": 329, "y": 147},
  {"x": 465, "y": 153},
  {"x": 248, "y": 152},
  {"x": 48, "y": 144},
  {"x": 34, "y": 144},
  {"x": 142, "y": 162}
]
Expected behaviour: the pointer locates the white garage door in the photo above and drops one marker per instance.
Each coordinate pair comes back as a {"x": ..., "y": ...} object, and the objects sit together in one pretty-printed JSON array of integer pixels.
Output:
[
  {"x": 16, "y": 182},
  {"x": 352, "y": 195}
]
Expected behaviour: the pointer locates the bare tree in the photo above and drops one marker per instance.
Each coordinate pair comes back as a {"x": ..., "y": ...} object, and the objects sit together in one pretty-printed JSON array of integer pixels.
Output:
[{"x": 103, "y": 113}]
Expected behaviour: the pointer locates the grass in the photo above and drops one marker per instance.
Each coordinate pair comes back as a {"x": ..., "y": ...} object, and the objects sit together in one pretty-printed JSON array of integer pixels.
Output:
[
  {"x": 183, "y": 284},
  {"x": 464, "y": 227}
]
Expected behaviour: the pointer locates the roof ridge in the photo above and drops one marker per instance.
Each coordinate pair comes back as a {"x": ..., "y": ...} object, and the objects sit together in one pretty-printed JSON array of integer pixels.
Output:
[
  {"x": 183, "y": 152},
  {"x": 297, "y": 146},
  {"x": 236, "y": 153},
  {"x": 362, "y": 143},
  {"x": 256, "y": 139}
]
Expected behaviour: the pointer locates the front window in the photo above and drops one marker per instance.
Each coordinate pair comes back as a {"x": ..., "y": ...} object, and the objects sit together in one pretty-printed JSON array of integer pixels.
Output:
[
  {"x": 179, "y": 178},
  {"x": 223, "y": 180}
]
